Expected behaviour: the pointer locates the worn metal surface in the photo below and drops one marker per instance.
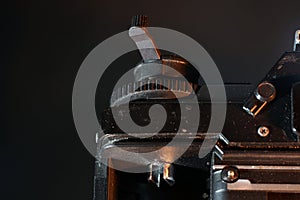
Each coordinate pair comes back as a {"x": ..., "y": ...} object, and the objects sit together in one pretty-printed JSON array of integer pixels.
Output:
[{"x": 257, "y": 156}]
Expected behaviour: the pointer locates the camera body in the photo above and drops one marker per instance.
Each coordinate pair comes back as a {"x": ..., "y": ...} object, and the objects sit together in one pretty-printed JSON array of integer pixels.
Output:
[{"x": 255, "y": 156}]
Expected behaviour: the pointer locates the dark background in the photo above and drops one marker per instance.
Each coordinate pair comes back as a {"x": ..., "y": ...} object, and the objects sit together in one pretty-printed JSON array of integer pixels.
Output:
[{"x": 43, "y": 44}]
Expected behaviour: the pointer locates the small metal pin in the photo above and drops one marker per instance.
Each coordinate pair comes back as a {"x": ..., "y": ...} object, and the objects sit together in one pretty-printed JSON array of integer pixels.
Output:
[
  {"x": 161, "y": 170},
  {"x": 297, "y": 41},
  {"x": 155, "y": 173},
  {"x": 97, "y": 137},
  {"x": 168, "y": 174}
]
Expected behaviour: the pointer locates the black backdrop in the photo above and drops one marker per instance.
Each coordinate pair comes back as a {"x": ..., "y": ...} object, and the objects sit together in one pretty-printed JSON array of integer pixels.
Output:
[{"x": 44, "y": 42}]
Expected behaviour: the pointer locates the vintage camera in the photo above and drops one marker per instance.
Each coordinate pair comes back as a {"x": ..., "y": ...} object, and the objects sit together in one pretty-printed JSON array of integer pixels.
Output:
[{"x": 255, "y": 156}]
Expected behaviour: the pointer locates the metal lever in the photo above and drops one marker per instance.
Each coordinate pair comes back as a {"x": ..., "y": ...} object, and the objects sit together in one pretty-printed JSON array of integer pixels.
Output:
[{"x": 139, "y": 34}]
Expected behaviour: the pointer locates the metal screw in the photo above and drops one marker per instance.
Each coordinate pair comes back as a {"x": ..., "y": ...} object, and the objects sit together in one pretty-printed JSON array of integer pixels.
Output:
[
  {"x": 263, "y": 131},
  {"x": 230, "y": 174},
  {"x": 205, "y": 195}
]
